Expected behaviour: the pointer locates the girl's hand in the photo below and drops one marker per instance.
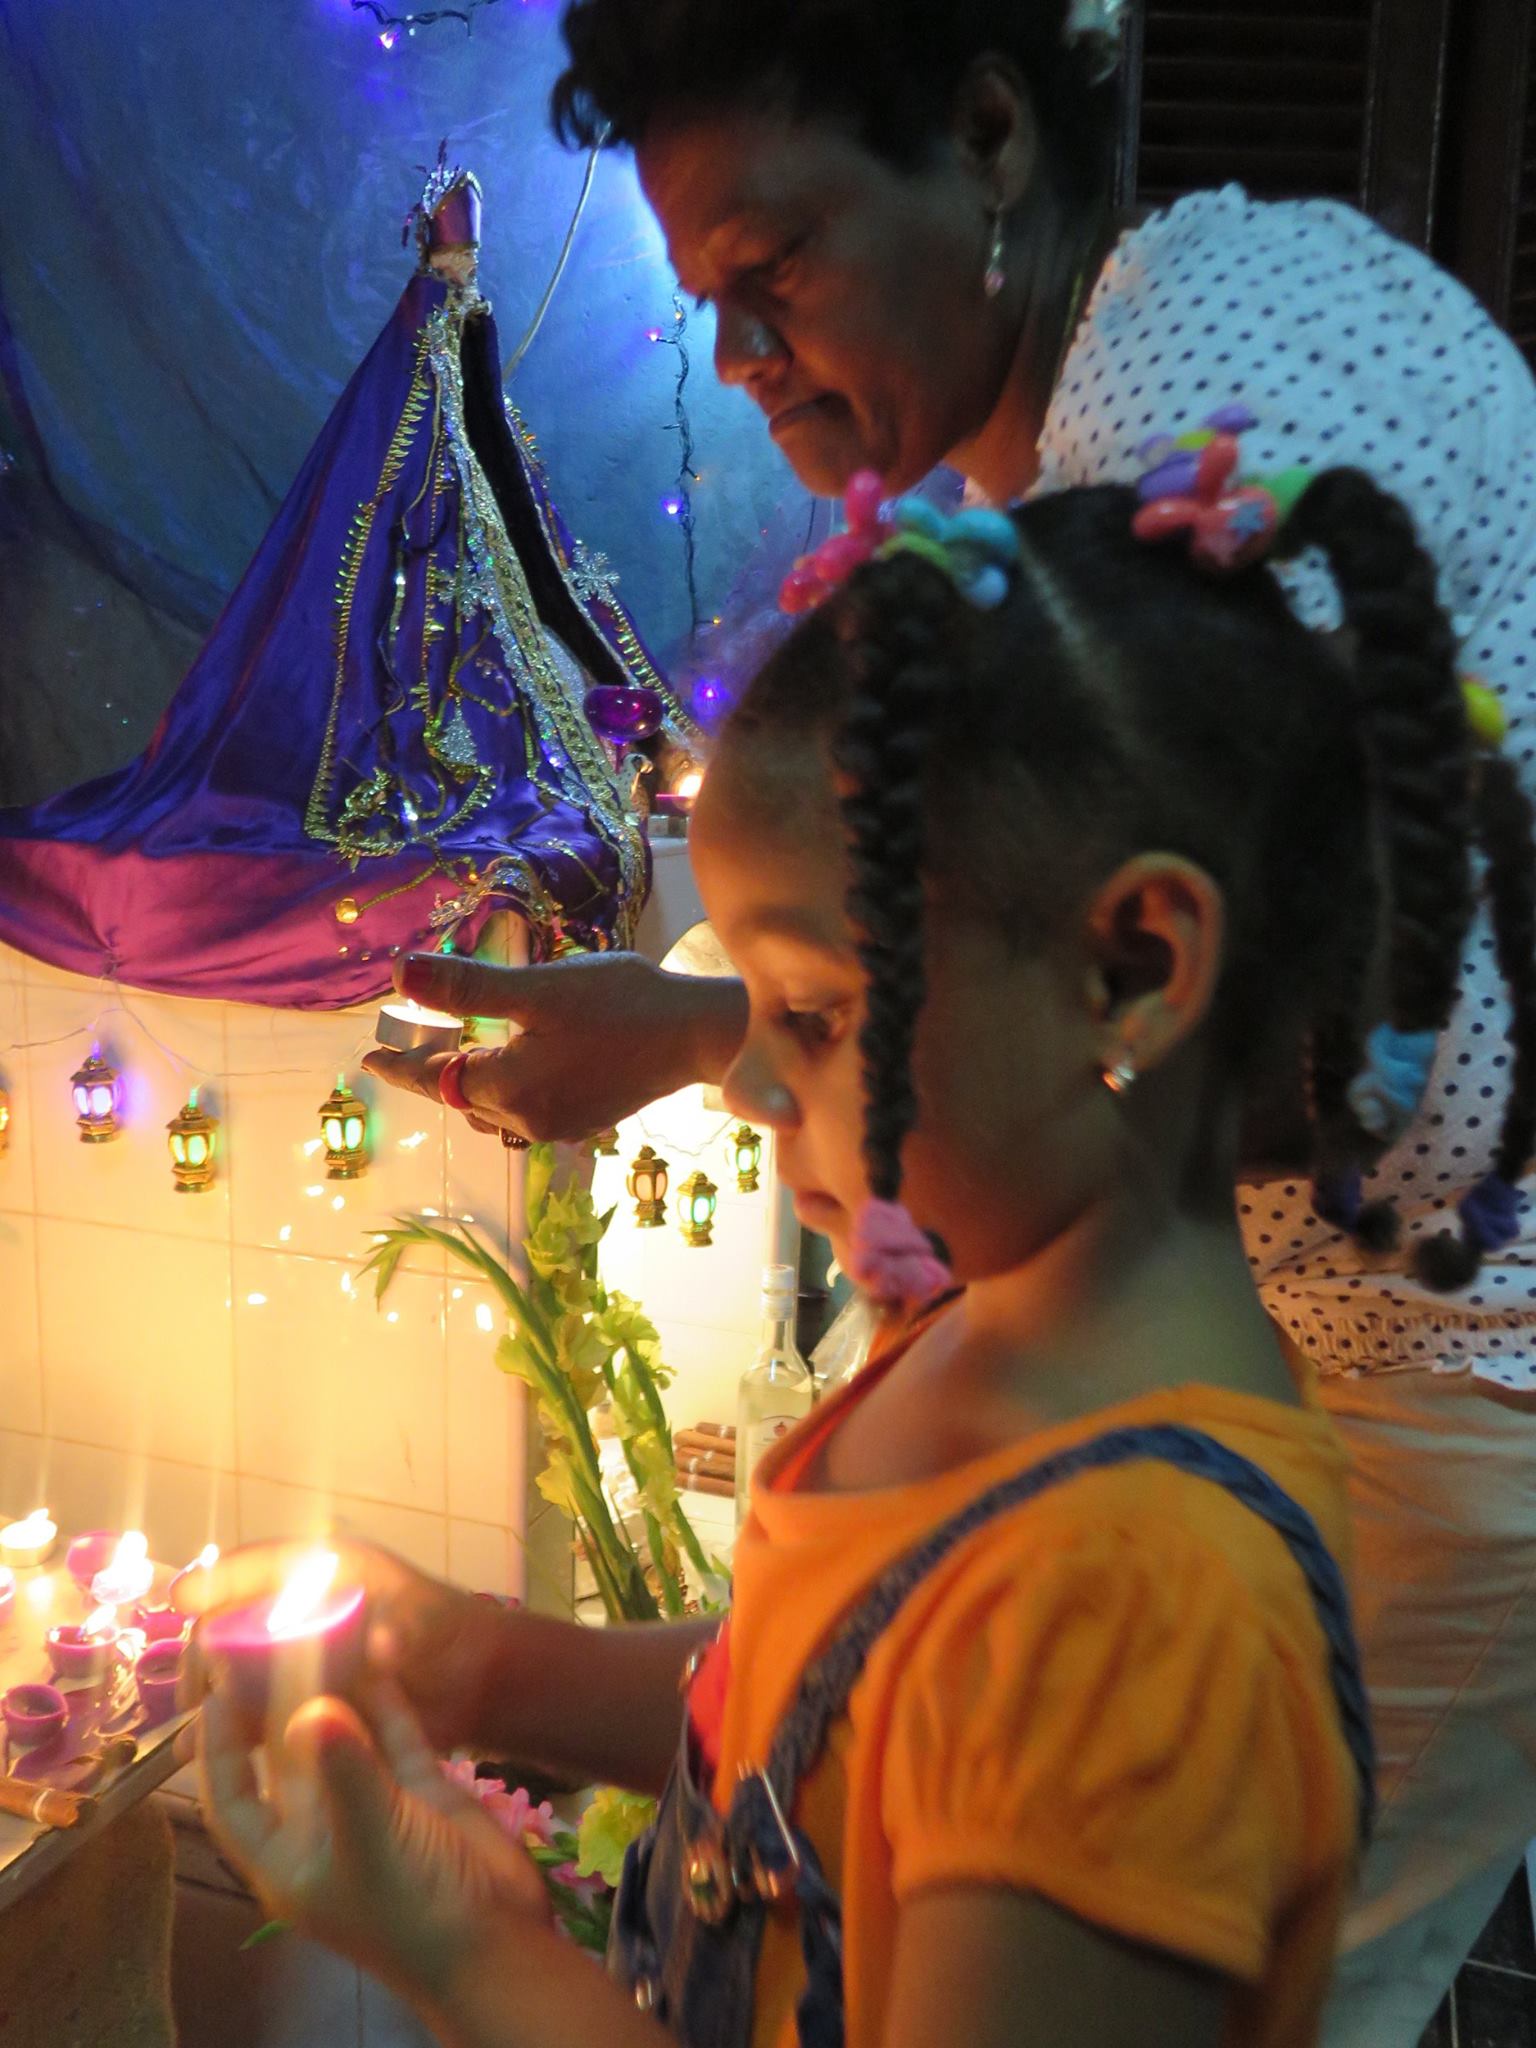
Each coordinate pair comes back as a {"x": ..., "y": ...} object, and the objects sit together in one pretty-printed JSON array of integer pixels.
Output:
[
  {"x": 360, "y": 1840},
  {"x": 436, "y": 1642}
]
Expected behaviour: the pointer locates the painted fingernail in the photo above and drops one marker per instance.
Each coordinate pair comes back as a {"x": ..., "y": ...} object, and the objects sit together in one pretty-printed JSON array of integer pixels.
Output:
[{"x": 419, "y": 973}]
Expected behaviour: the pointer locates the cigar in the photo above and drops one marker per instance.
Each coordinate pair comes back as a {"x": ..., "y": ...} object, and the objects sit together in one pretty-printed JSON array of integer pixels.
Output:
[
  {"x": 708, "y": 1465},
  {"x": 704, "y": 1482},
  {"x": 44, "y": 1804},
  {"x": 696, "y": 1440}
]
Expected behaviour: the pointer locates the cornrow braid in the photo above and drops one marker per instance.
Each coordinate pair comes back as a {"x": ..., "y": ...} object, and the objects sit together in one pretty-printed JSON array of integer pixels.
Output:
[
  {"x": 1506, "y": 830},
  {"x": 1419, "y": 750},
  {"x": 901, "y": 633}
]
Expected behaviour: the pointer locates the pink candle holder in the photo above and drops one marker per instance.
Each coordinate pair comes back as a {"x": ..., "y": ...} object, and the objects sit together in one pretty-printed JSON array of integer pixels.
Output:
[
  {"x": 158, "y": 1624},
  {"x": 88, "y": 1555},
  {"x": 156, "y": 1676},
  {"x": 7, "y": 1596},
  {"x": 77, "y": 1654},
  {"x": 34, "y": 1715},
  {"x": 274, "y": 1656}
]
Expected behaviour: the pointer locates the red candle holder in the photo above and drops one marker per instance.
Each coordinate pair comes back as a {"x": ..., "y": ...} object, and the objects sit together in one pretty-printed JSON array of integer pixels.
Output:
[
  {"x": 34, "y": 1715},
  {"x": 156, "y": 1676},
  {"x": 77, "y": 1654}
]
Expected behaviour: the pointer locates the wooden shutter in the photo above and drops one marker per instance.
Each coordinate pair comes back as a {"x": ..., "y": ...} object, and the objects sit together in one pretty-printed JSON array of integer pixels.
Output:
[
  {"x": 1488, "y": 215},
  {"x": 1522, "y": 295},
  {"x": 1337, "y": 99}
]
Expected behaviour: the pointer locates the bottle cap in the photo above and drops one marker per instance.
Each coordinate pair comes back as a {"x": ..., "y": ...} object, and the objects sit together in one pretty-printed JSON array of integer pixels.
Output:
[{"x": 780, "y": 1283}]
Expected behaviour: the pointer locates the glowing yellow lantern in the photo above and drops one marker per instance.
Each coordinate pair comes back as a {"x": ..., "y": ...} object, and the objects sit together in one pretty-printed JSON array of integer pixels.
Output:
[
  {"x": 194, "y": 1138},
  {"x": 95, "y": 1093},
  {"x": 344, "y": 1126},
  {"x": 698, "y": 1195},
  {"x": 5, "y": 1121},
  {"x": 746, "y": 1150},
  {"x": 648, "y": 1184}
]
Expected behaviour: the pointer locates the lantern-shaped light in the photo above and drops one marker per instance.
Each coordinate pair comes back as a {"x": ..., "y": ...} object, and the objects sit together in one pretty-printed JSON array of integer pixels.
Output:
[
  {"x": 193, "y": 1140},
  {"x": 697, "y": 1196},
  {"x": 5, "y": 1121},
  {"x": 344, "y": 1127},
  {"x": 95, "y": 1092},
  {"x": 605, "y": 1144},
  {"x": 648, "y": 1184},
  {"x": 746, "y": 1149}
]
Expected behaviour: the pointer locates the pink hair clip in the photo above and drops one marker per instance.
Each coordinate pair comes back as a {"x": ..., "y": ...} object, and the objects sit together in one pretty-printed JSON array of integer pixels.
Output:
[
  {"x": 892, "y": 1259},
  {"x": 1188, "y": 487},
  {"x": 814, "y": 577}
]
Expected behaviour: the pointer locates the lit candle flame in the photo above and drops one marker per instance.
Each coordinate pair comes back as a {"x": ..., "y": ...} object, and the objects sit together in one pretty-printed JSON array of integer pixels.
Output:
[
  {"x": 38, "y": 1527},
  {"x": 130, "y": 1574},
  {"x": 689, "y": 785},
  {"x": 412, "y": 1013},
  {"x": 299, "y": 1603},
  {"x": 101, "y": 1623},
  {"x": 207, "y": 1557},
  {"x": 132, "y": 1551}
]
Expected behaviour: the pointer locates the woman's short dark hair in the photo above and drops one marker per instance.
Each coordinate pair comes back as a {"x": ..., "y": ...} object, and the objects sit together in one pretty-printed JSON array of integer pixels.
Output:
[{"x": 891, "y": 68}]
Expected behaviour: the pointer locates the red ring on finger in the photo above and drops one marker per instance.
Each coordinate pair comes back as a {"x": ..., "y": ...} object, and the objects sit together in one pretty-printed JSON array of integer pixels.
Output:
[{"x": 450, "y": 1083}]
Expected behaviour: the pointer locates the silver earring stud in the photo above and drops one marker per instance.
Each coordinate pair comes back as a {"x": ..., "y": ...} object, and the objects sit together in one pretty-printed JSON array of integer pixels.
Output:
[
  {"x": 1120, "y": 1078},
  {"x": 995, "y": 277}
]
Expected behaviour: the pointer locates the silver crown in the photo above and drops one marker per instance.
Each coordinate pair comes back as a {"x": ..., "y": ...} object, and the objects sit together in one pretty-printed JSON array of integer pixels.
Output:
[{"x": 1100, "y": 24}]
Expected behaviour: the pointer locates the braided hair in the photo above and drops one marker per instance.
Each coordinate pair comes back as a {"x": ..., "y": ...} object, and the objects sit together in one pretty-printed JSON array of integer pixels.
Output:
[
  {"x": 1119, "y": 698},
  {"x": 1419, "y": 757}
]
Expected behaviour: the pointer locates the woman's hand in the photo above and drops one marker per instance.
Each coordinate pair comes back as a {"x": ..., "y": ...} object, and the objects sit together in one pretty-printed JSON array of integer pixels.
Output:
[
  {"x": 359, "y": 1839},
  {"x": 600, "y": 1035},
  {"x": 439, "y": 1645}
]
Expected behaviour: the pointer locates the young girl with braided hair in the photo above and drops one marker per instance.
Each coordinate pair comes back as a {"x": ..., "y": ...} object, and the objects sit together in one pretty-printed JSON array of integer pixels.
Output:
[{"x": 1048, "y": 847}]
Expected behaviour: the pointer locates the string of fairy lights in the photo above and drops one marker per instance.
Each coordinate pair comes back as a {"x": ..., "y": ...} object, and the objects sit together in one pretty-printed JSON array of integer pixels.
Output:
[{"x": 193, "y": 1144}]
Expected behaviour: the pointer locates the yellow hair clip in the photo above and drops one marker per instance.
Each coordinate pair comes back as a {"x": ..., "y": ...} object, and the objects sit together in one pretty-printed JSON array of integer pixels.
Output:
[{"x": 1485, "y": 714}]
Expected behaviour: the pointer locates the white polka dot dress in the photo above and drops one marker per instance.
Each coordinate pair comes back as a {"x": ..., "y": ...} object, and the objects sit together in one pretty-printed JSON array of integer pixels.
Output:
[{"x": 1352, "y": 348}]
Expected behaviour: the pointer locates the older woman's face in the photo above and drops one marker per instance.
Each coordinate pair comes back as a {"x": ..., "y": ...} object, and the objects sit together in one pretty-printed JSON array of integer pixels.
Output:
[{"x": 848, "y": 293}]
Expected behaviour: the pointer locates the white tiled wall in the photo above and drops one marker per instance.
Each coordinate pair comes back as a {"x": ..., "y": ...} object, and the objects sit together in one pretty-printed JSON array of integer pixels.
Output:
[{"x": 209, "y": 1366}]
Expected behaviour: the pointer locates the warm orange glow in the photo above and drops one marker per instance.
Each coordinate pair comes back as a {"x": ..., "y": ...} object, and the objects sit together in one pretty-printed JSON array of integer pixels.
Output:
[{"x": 298, "y": 1606}]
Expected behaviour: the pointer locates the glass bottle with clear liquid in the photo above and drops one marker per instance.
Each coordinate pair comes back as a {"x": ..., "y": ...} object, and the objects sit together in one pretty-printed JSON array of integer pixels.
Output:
[{"x": 777, "y": 1389}]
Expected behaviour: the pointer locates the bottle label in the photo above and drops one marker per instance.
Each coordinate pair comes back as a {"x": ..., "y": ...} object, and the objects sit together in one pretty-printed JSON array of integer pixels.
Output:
[{"x": 765, "y": 1433}]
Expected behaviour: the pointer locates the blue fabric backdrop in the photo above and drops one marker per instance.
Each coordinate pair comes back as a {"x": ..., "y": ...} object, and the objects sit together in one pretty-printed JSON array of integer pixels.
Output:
[{"x": 200, "y": 208}]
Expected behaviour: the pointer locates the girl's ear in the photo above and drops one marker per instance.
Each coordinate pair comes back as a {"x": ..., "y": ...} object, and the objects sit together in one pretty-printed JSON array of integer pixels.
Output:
[{"x": 1156, "y": 930}]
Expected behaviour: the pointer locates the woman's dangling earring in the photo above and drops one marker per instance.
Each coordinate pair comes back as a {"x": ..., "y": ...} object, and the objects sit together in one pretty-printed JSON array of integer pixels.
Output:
[
  {"x": 1121, "y": 1078},
  {"x": 994, "y": 277}
]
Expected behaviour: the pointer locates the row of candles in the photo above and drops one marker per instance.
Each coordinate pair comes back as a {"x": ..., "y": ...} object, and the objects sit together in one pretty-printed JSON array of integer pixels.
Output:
[{"x": 307, "y": 1637}]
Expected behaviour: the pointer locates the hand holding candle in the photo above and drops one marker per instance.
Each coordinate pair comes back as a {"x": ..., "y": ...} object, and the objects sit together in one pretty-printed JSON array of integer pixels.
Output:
[
  {"x": 404, "y": 1026},
  {"x": 280, "y": 1650}
]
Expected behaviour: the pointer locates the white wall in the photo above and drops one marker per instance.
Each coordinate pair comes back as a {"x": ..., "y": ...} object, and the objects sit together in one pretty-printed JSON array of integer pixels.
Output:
[{"x": 208, "y": 1367}]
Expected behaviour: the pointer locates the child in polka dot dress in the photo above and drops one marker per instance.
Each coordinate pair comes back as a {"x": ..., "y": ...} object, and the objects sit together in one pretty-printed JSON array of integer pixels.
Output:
[{"x": 1352, "y": 348}]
